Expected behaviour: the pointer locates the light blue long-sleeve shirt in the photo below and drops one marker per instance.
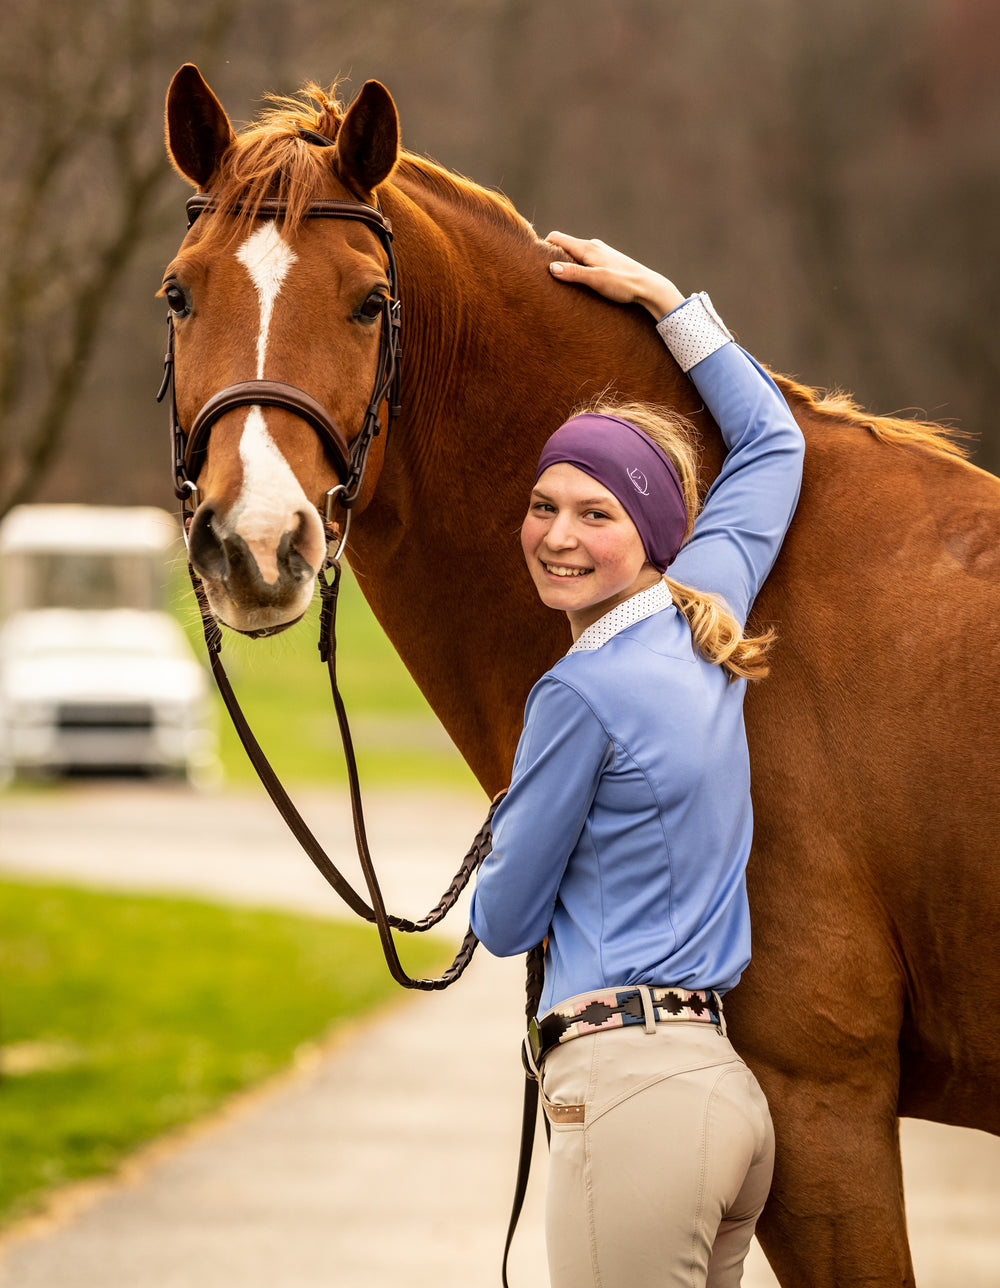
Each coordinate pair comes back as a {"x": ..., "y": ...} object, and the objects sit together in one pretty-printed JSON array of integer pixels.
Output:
[{"x": 625, "y": 833}]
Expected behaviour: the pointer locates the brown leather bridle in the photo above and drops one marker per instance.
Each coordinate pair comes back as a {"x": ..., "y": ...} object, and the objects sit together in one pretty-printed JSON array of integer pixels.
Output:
[{"x": 189, "y": 446}]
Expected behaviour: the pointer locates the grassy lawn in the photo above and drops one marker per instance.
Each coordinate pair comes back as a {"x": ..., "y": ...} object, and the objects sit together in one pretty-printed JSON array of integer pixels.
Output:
[
  {"x": 284, "y": 690},
  {"x": 124, "y": 1016}
]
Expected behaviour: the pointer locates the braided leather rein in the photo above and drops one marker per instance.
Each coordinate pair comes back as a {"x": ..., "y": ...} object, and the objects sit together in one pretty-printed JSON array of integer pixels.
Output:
[{"x": 375, "y": 912}]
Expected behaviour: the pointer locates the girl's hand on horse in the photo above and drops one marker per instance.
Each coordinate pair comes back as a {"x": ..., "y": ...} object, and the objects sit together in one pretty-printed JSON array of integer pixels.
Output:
[{"x": 613, "y": 275}]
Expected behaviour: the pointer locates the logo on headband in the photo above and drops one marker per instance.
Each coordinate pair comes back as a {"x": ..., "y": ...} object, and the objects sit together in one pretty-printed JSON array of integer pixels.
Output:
[{"x": 639, "y": 482}]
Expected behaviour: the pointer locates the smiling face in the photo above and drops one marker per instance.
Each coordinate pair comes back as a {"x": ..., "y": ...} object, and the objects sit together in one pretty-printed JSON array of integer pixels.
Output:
[{"x": 582, "y": 550}]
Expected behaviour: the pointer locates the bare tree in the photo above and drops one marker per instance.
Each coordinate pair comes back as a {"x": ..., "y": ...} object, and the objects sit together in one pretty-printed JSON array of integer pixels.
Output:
[{"x": 82, "y": 172}]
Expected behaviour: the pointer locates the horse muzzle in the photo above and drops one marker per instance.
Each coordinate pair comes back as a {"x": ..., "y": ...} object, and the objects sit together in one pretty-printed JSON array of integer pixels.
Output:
[{"x": 256, "y": 585}]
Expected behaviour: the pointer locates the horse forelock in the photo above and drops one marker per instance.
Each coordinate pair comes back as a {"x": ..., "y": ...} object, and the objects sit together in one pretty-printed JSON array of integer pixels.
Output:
[
  {"x": 841, "y": 407},
  {"x": 269, "y": 160}
]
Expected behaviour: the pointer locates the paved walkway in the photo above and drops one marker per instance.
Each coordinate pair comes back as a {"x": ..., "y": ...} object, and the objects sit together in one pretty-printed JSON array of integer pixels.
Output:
[{"x": 386, "y": 1158}]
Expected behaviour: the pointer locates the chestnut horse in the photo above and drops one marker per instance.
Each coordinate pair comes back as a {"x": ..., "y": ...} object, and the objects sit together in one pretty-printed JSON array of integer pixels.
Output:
[{"x": 874, "y": 885}]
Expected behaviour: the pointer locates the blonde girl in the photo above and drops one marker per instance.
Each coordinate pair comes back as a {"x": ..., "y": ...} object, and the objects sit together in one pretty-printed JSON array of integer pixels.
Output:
[{"x": 623, "y": 839}]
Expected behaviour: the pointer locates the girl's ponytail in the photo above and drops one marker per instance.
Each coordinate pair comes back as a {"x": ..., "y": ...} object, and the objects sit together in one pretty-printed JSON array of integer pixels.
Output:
[
  {"x": 715, "y": 631},
  {"x": 717, "y": 635}
]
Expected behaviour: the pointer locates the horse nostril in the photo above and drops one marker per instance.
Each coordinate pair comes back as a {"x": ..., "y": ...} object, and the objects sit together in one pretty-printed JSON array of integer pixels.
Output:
[
  {"x": 204, "y": 547},
  {"x": 307, "y": 550},
  {"x": 292, "y": 561}
]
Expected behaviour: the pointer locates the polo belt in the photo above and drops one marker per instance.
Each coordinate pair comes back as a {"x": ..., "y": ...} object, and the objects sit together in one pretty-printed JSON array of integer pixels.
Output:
[{"x": 616, "y": 1009}]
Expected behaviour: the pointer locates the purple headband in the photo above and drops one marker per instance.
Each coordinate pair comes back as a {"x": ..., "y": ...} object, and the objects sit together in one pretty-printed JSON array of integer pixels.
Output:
[{"x": 634, "y": 469}]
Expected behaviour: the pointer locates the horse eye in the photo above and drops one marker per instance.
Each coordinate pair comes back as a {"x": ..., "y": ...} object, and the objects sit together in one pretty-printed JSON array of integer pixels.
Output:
[
  {"x": 176, "y": 299},
  {"x": 371, "y": 309}
]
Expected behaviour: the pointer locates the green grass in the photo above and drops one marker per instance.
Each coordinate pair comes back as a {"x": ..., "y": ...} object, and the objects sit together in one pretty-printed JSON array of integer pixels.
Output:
[
  {"x": 284, "y": 691},
  {"x": 125, "y": 1016}
]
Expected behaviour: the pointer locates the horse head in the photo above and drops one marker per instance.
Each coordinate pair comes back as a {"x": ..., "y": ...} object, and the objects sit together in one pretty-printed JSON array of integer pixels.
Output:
[{"x": 279, "y": 325}]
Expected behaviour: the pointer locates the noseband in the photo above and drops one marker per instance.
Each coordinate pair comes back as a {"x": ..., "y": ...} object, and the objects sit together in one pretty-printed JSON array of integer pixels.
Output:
[{"x": 189, "y": 447}]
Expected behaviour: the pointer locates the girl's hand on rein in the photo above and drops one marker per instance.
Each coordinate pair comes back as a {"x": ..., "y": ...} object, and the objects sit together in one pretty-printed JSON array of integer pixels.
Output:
[{"x": 610, "y": 273}]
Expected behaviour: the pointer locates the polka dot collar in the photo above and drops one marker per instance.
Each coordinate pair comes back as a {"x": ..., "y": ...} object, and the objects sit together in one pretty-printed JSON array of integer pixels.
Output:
[{"x": 644, "y": 604}]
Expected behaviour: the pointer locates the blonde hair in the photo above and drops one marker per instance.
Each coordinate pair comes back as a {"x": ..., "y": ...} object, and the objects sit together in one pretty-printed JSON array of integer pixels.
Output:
[{"x": 716, "y": 633}]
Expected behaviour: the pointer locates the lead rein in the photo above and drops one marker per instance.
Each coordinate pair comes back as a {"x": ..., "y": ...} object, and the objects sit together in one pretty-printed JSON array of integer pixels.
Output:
[{"x": 376, "y": 911}]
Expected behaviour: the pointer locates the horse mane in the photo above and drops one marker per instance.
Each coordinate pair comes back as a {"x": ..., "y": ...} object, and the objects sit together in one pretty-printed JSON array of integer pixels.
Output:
[
  {"x": 465, "y": 193},
  {"x": 270, "y": 160},
  {"x": 839, "y": 407}
]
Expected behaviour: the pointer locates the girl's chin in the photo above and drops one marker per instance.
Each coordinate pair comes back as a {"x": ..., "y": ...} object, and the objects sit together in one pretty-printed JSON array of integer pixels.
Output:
[{"x": 565, "y": 601}]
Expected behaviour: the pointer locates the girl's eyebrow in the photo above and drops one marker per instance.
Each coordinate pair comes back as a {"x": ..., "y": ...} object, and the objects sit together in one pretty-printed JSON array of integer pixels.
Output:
[{"x": 600, "y": 502}]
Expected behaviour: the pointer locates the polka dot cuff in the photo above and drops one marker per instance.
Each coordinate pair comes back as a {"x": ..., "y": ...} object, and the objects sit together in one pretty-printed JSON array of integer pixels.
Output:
[{"x": 693, "y": 331}]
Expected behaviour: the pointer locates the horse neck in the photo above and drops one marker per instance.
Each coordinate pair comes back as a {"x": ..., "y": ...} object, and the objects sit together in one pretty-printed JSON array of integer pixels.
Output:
[{"x": 496, "y": 355}]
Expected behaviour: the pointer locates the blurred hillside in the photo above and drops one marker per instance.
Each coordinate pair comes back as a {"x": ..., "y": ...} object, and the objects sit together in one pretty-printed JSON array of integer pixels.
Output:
[{"x": 829, "y": 173}]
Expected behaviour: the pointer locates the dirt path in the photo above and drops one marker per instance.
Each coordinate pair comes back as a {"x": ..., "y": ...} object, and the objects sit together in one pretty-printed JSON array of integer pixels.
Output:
[{"x": 388, "y": 1158}]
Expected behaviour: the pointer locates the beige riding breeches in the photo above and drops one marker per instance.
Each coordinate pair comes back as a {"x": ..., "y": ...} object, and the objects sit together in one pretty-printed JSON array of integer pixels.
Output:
[{"x": 661, "y": 1158}]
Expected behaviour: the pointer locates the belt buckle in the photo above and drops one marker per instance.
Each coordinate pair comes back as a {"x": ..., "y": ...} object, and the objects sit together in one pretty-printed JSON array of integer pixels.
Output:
[{"x": 531, "y": 1049}]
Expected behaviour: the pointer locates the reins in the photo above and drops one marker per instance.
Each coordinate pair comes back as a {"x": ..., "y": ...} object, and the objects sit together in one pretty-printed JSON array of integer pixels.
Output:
[{"x": 376, "y": 910}]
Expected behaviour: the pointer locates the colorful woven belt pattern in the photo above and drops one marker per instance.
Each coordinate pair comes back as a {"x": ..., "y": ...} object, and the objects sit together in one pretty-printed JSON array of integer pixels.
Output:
[{"x": 618, "y": 1008}]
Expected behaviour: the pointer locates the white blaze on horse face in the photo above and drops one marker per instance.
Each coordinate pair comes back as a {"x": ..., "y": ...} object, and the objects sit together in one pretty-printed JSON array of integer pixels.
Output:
[
  {"x": 267, "y": 257},
  {"x": 272, "y": 501}
]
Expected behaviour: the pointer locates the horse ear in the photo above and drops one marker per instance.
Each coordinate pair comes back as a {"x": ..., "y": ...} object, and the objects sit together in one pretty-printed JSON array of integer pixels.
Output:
[
  {"x": 198, "y": 129},
  {"x": 368, "y": 139}
]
